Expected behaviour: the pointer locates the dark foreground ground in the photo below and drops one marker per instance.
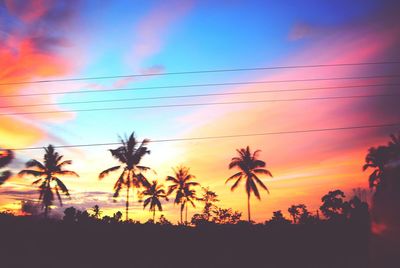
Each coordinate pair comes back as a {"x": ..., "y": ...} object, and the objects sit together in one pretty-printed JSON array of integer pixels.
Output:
[{"x": 38, "y": 244}]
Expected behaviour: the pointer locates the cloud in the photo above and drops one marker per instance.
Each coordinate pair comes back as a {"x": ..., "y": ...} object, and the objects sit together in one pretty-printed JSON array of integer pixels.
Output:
[
  {"x": 32, "y": 47},
  {"x": 123, "y": 82},
  {"x": 150, "y": 32}
]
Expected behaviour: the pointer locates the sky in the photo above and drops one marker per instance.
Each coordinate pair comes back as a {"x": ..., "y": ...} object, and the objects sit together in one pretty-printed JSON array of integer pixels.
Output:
[{"x": 50, "y": 40}]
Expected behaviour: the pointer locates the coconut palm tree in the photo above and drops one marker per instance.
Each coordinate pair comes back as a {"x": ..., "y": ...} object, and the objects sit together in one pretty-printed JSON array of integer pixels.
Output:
[
  {"x": 377, "y": 158},
  {"x": 6, "y": 156},
  {"x": 129, "y": 154},
  {"x": 249, "y": 167},
  {"x": 182, "y": 186},
  {"x": 294, "y": 212},
  {"x": 48, "y": 174},
  {"x": 155, "y": 193}
]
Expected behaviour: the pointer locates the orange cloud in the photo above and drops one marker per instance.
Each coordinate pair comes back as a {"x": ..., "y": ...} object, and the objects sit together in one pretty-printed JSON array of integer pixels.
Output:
[{"x": 28, "y": 53}]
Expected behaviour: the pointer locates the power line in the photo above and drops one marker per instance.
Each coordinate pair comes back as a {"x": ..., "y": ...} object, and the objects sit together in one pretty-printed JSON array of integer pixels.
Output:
[
  {"x": 198, "y": 104},
  {"x": 202, "y": 85},
  {"x": 191, "y": 96},
  {"x": 225, "y": 136},
  {"x": 201, "y": 72}
]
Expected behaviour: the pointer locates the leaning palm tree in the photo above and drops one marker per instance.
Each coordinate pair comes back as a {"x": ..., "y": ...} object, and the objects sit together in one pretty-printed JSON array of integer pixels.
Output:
[
  {"x": 155, "y": 193},
  {"x": 249, "y": 167},
  {"x": 48, "y": 174},
  {"x": 182, "y": 186},
  {"x": 6, "y": 156},
  {"x": 129, "y": 154}
]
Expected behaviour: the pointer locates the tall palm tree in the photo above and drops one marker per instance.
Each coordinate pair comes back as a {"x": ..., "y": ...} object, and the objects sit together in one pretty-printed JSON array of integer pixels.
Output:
[
  {"x": 249, "y": 167},
  {"x": 155, "y": 193},
  {"x": 48, "y": 174},
  {"x": 294, "y": 212},
  {"x": 182, "y": 186},
  {"x": 6, "y": 156},
  {"x": 129, "y": 154}
]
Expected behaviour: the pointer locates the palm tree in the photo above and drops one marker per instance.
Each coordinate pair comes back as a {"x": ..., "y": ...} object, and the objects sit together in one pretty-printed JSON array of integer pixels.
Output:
[
  {"x": 181, "y": 185},
  {"x": 154, "y": 192},
  {"x": 129, "y": 154},
  {"x": 48, "y": 173},
  {"x": 249, "y": 166},
  {"x": 6, "y": 156},
  {"x": 377, "y": 159},
  {"x": 294, "y": 212}
]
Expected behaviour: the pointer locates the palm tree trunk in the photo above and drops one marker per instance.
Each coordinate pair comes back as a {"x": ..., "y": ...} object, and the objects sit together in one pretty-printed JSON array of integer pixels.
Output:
[
  {"x": 186, "y": 222},
  {"x": 127, "y": 204},
  {"x": 248, "y": 207},
  {"x": 181, "y": 213},
  {"x": 154, "y": 214}
]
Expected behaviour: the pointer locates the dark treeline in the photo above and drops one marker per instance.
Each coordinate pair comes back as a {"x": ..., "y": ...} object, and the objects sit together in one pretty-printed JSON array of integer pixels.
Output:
[{"x": 338, "y": 234}]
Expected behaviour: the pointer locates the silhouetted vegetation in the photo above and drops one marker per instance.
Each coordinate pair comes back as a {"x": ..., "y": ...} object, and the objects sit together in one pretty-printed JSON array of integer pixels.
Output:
[
  {"x": 6, "y": 156},
  {"x": 129, "y": 154},
  {"x": 182, "y": 186},
  {"x": 48, "y": 174},
  {"x": 250, "y": 166},
  {"x": 154, "y": 194},
  {"x": 214, "y": 237}
]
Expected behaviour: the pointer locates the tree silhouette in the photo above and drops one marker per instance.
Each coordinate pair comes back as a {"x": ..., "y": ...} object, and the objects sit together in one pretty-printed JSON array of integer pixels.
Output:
[
  {"x": 209, "y": 198},
  {"x": 294, "y": 212},
  {"x": 96, "y": 212},
  {"x": 334, "y": 207},
  {"x": 377, "y": 159},
  {"x": 129, "y": 154},
  {"x": 278, "y": 218},
  {"x": 48, "y": 173},
  {"x": 250, "y": 166},
  {"x": 182, "y": 186},
  {"x": 69, "y": 215},
  {"x": 117, "y": 216},
  {"x": 226, "y": 216},
  {"x": 6, "y": 156},
  {"x": 155, "y": 193}
]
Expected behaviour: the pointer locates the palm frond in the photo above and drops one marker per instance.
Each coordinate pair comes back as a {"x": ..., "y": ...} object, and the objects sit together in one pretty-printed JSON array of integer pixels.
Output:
[
  {"x": 263, "y": 171},
  {"x": 30, "y": 172},
  {"x": 66, "y": 172},
  {"x": 235, "y": 185},
  {"x": 260, "y": 183},
  {"x": 253, "y": 188},
  {"x": 6, "y": 158},
  {"x": 62, "y": 186},
  {"x": 36, "y": 164},
  {"x": 104, "y": 173},
  {"x": 4, "y": 176},
  {"x": 239, "y": 174}
]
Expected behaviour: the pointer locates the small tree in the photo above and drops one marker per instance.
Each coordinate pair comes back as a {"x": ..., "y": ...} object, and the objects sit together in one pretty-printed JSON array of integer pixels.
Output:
[
  {"x": 278, "y": 218},
  {"x": 334, "y": 207}
]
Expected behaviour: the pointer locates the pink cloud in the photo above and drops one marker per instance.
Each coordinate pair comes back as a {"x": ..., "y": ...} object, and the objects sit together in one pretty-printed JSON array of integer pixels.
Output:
[
  {"x": 151, "y": 31},
  {"x": 326, "y": 160}
]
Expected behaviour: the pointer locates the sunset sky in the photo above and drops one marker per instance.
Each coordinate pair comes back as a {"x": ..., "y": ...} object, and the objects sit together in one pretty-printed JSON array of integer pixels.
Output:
[{"x": 46, "y": 40}]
